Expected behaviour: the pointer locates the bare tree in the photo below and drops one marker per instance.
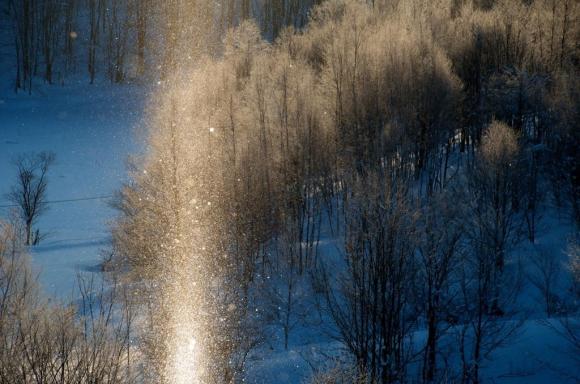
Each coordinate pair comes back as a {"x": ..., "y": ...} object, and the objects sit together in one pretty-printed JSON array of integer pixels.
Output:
[
  {"x": 545, "y": 278},
  {"x": 487, "y": 288},
  {"x": 439, "y": 251},
  {"x": 29, "y": 193},
  {"x": 493, "y": 201},
  {"x": 142, "y": 15},
  {"x": 70, "y": 35},
  {"x": 117, "y": 22},
  {"x": 371, "y": 301},
  {"x": 50, "y": 14},
  {"x": 23, "y": 14},
  {"x": 481, "y": 330},
  {"x": 95, "y": 21}
]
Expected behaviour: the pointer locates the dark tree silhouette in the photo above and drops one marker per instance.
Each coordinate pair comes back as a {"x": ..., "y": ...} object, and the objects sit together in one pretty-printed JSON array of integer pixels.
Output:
[{"x": 29, "y": 193}]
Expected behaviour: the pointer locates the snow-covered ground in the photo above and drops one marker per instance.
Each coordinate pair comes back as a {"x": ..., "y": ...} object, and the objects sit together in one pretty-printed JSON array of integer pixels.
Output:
[
  {"x": 92, "y": 130},
  {"x": 537, "y": 355}
]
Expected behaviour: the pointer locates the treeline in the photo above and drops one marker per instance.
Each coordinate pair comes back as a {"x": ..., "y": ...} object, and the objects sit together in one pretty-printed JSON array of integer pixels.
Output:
[
  {"x": 427, "y": 137},
  {"x": 126, "y": 39}
]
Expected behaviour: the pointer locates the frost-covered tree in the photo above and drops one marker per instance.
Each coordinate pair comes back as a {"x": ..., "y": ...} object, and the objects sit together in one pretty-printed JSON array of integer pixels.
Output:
[
  {"x": 42, "y": 342},
  {"x": 493, "y": 202}
]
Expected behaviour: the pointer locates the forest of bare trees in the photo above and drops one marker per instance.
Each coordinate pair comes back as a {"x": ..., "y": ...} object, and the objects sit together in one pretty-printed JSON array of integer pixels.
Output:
[
  {"x": 424, "y": 136},
  {"x": 427, "y": 137},
  {"x": 125, "y": 40}
]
